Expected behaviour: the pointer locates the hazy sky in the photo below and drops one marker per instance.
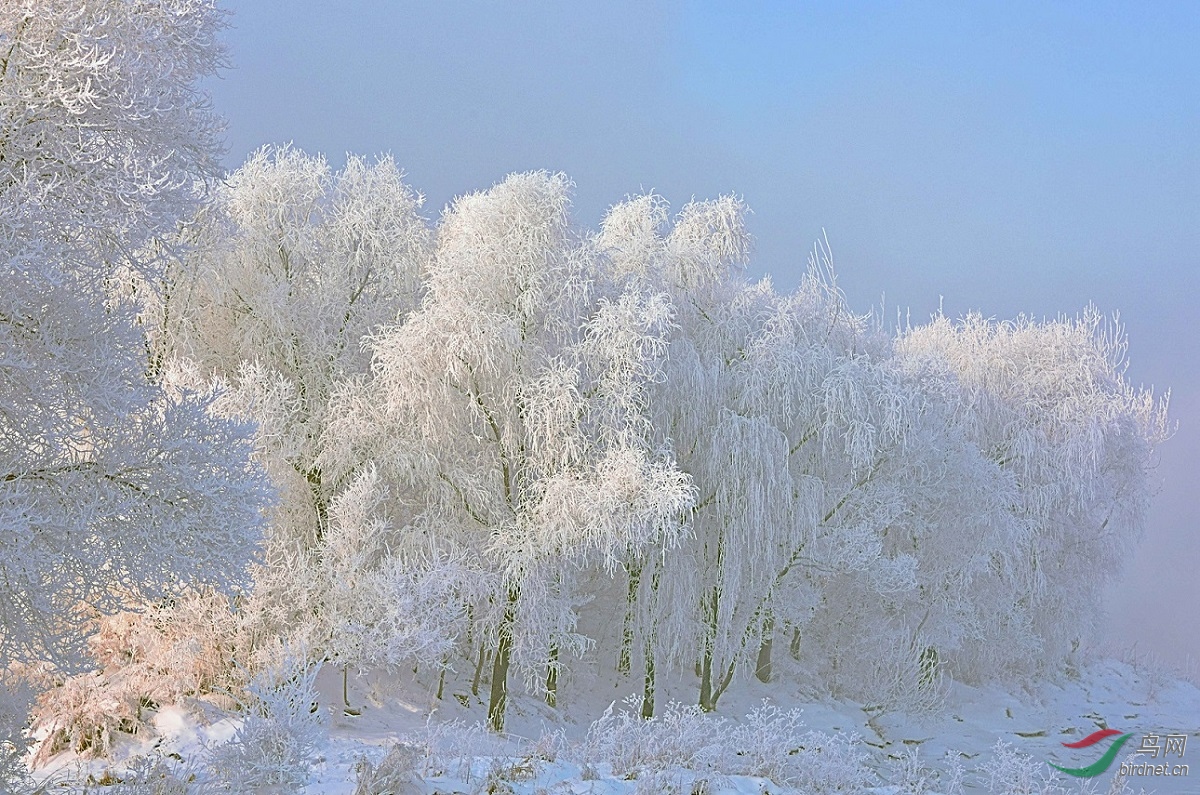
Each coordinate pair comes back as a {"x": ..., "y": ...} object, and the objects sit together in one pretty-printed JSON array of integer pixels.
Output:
[{"x": 1009, "y": 157}]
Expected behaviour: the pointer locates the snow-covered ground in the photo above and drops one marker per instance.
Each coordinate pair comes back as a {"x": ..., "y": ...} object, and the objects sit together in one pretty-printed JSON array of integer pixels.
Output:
[{"x": 977, "y": 736}]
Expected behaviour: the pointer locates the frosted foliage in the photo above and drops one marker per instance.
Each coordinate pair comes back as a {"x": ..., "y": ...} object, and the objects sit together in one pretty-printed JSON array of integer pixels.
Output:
[
  {"x": 104, "y": 130},
  {"x": 385, "y": 608},
  {"x": 768, "y": 742},
  {"x": 784, "y": 410},
  {"x": 1047, "y": 404},
  {"x": 183, "y": 647},
  {"x": 931, "y": 531},
  {"x": 591, "y": 512},
  {"x": 291, "y": 267},
  {"x": 111, "y": 488},
  {"x": 508, "y": 415},
  {"x": 632, "y": 235},
  {"x": 285, "y": 275}
]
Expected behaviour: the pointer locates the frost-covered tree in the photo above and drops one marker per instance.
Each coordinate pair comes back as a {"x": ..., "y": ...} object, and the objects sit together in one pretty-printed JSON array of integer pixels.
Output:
[
  {"x": 278, "y": 281},
  {"x": 783, "y": 411},
  {"x": 282, "y": 276},
  {"x": 887, "y": 592},
  {"x": 1048, "y": 405},
  {"x": 734, "y": 456},
  {"x": 111, "y": 488},
  {"x": 103, "y": 129},
  {"x": 508, "y": 418}
]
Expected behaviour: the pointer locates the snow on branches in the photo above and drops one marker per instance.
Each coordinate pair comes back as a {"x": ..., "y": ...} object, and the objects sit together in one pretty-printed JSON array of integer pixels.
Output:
[{"x": 113, "y": 488}]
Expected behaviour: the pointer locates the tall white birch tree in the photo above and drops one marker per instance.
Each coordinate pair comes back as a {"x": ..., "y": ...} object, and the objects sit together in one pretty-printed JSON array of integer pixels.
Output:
[{"x": 277, "y": 283}]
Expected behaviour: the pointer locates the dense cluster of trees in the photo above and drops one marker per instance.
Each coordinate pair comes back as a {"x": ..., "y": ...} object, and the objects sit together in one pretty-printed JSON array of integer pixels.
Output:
[
  {"x": 494, "y": 432},
  {"x": 488, "y": 436}
]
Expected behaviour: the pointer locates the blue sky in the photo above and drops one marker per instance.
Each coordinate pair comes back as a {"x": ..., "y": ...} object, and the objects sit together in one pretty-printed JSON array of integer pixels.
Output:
[{"x": 1002, "y": 157}]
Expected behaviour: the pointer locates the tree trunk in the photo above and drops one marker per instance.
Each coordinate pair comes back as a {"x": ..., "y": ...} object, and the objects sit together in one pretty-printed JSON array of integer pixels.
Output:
[
  {"x": 928, "y": 666},
  {"x": 320, "y": 504},
  {"x": 552, "y": 678},
  {"x": 499, "y": 696},
  {"x": 623, "y": 661},
  {"x": 442, "y": 677},
  {"x": 763, "y": 667},
  {"x": 794, "y": 647},
  {"x": 478, "y": 670},
  {"x": 707, "y": 702},
  {"x": 346, "y": 708},
  {"x": 648, "y": 682}
]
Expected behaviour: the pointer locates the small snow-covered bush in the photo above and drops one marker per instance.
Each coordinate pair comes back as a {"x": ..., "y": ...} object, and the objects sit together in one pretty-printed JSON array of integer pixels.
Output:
[
  {"x": 394, "y": 775},
  {"x": 910, "y": 775},
  {"x": 278, "y": 739},
  {"x": 773, "y": 743},
  {"x": 770, "y": 743},
  {"x": 451, "y": 748},
  {"x": 183, "y": 647},
  {"x": 1010, "y": 772},
  {"x": 152, "y": 776},
  {"x": 680, "y": 736},
  {"x": 84, "y": 713}
]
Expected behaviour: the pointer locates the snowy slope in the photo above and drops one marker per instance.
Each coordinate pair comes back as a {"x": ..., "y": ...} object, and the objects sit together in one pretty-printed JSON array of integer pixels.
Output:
[{"x": 547, "y": 751}]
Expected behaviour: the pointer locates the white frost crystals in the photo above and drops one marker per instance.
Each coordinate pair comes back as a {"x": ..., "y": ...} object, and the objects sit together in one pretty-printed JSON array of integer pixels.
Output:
[{"x": 111, "y": 487}]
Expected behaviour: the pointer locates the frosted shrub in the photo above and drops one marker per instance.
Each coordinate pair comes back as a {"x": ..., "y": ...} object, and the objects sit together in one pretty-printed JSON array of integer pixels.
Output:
[
  {"x": 1010, "y": 772},
  {"x": 383, "y": 609},
  {"x": 449, "y": 749},
  {"x": 458, "y": 750},
  {"x": 770, "y": 743},
  {"x": 85, "y": 713},
  {"x": 773, "y": 744},
  {"x": 178, "y": 648},
  {"x": 680, "y": 736},
  {"x": 153, "y": 776},
  {"x": 277, "y": 742},
  {"x": 911, "y": 776},
  {"x": 394, "y": 775}
]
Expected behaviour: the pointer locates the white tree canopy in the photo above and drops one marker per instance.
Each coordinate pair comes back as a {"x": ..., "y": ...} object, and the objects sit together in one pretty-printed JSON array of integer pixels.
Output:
[
  {"x": 1047, "y": 403},
  {"x": 509, "y": 416},
  {"x": 103, "y": 130}
]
